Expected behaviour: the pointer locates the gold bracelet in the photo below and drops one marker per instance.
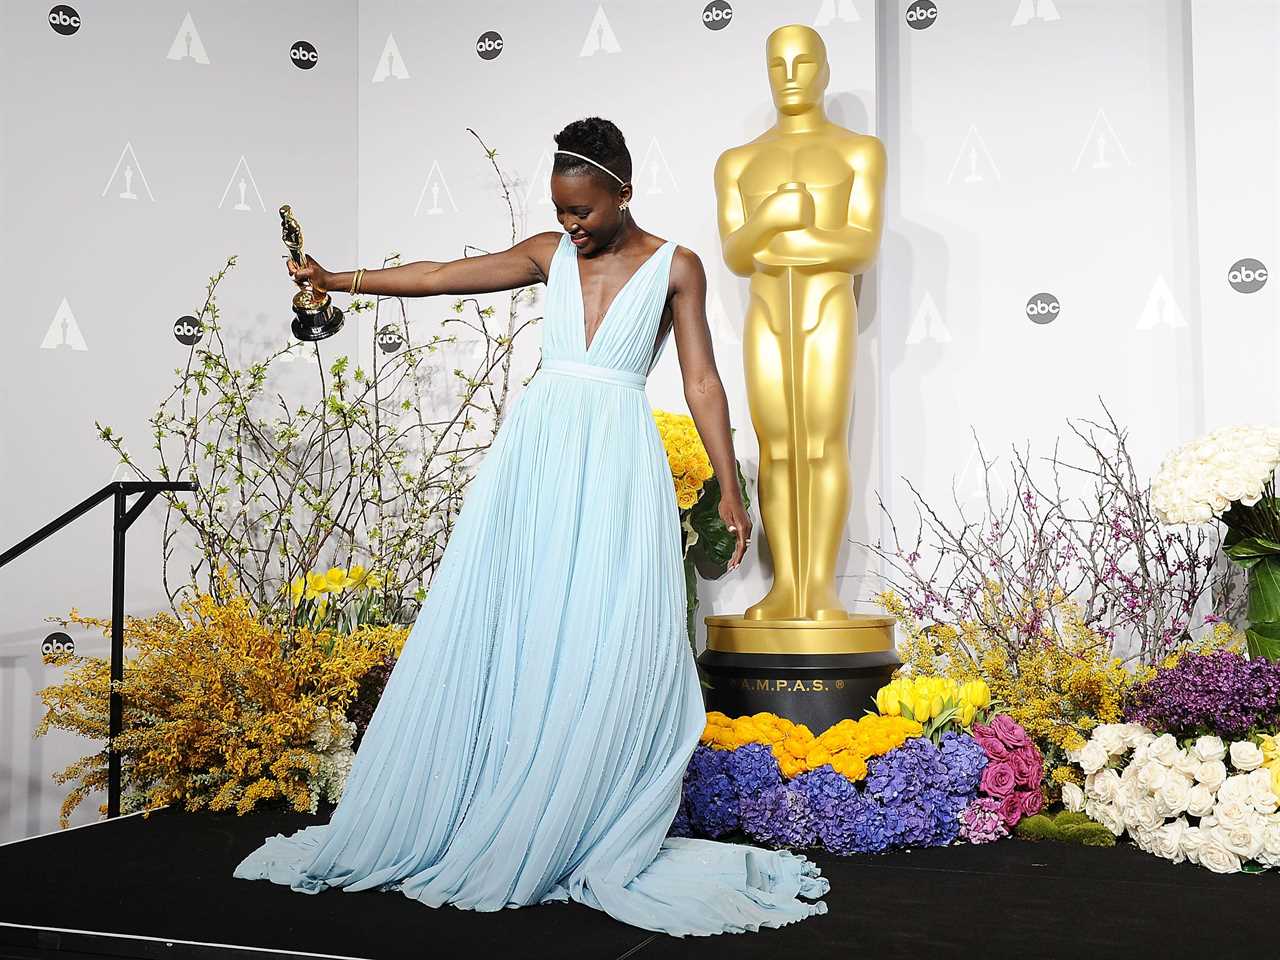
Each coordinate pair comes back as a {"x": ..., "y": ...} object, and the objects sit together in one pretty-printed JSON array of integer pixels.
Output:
[{"x": 355, "y": 281}]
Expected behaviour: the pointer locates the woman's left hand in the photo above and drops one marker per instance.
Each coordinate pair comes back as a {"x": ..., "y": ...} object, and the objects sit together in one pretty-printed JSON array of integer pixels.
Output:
[{"x": 738, "y": 522}]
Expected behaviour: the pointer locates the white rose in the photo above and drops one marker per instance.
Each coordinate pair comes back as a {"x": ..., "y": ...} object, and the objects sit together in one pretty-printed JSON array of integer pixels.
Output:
[
  {"x": 1212, "y": 774},
  {"x": 1142, "y": 815},
  {"x": 1129, "y": 792},
  {"x": 1246, "y": 755},
  {"x": 1261, "y": 794},
  {"x": 1141, "y": 738},
  {"x": 1209, "y": 748},
  {"x": 1153, "y": 775},
  {"x": 1235, "y": 787},
  {"x": 1187, "y": 764},
  {"x": 1216, "y": 857},
  {"x": 1107, "y": 814},
  {"x": 1102, "y": 785},
  {"x": 1072, "y": 797},
  {"x": 1243, "y": 839},
  {"x": 1192, "y": 839},
  {"x": 1110, "y": 736},
  {"x": 1164, "y": 748},
  {"x": 1200, "y": 801},
  {"x": 1167, "y": 840},
  {"x": 1270, "y": 852},
  {"x": 1135, "y": 733},
  {"x": 1093, "y": 757},
  {"x": 1232, "y": 812},
  {"x": 1173, "y": 796}
]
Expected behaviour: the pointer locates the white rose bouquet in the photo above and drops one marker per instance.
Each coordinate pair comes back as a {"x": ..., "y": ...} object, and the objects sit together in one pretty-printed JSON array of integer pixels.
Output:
[
  {"x": 1206, "y": 801},
  {"x": 1229, "y": 475}
]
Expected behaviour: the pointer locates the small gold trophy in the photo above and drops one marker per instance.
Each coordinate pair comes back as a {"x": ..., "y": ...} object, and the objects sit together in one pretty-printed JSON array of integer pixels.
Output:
[{"x": 315, "y": 317}]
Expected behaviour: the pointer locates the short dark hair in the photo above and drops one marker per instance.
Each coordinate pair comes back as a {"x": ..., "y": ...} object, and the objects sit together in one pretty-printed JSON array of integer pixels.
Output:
[{"x": 598, "y": 139}]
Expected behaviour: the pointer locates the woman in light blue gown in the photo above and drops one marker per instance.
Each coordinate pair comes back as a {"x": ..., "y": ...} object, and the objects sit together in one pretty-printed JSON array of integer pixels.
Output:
[{"x": 531, "y": 741}]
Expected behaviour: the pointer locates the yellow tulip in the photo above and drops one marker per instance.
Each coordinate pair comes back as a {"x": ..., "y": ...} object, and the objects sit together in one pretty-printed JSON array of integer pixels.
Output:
[
  {"x": 977, "y": 693},
  {"x": 967, "y": 711},
  {"x": 920, "y": 705}
]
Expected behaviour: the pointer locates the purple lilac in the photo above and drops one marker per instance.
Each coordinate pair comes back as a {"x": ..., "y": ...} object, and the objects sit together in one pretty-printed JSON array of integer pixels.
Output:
[{"x": 1218, "y": 693}]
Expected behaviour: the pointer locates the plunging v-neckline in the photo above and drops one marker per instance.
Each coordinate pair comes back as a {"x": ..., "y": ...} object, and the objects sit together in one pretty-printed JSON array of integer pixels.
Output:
[{"x": 604, "y": 317}]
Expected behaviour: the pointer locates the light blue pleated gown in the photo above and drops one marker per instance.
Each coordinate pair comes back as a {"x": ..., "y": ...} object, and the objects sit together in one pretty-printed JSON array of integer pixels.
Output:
[{"x": 532, "y": 738}]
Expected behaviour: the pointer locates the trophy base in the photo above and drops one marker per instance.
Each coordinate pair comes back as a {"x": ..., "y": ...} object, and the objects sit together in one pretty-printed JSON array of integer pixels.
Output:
[
  {"x": 815, "y": 672},
  {"x": 320, "y": 325}
]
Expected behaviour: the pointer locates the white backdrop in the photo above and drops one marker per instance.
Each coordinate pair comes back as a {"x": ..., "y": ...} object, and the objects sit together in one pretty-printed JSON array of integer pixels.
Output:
[{"x": 1115, "y": 157}]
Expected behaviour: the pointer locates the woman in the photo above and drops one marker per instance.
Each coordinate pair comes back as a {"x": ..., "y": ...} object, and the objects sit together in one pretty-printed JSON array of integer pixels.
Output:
[{"x": 531, "y": 741}]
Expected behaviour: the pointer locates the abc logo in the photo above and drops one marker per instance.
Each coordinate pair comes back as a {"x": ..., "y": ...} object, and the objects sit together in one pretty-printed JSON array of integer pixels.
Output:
[
  {"x": 303, "y": 55},
  {"x": 489, "y": 45},
  {"x": 64, "y": 20},
  {"x": 1247, "y": 275},
  {"x": 57, "y": 642},
  {"x": 1043, "y": 308},
  {"x": 389, "y": 339},
  {"x": 717, "y": 14},
  {"x": 921, "y": 14},
  {"x": 187, "y": 331}
]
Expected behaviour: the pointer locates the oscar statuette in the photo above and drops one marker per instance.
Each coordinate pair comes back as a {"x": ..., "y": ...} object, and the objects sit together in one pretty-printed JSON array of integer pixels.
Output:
[
  {"x": 800, "y": 213},
  {"x": 316, "y": 317}
]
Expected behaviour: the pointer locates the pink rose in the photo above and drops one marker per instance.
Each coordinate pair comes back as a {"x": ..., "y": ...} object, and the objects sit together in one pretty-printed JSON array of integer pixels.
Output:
[
  {"x": 1010, "y": 732},
  {"x": 998, "y": 779},
  {"x": 1011, "y": 810},
  {"x": 1030, "y": 801},
  {"x": 1028, "y": 767},
  {"x": 989, "y": 742}
]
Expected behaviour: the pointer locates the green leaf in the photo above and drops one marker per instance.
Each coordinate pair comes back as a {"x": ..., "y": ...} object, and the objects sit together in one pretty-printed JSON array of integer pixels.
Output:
[
  {"x": 1264, "y": 591},
  {"x": 1264, "y": 640},
  {"x": 1249, "y": 550}
]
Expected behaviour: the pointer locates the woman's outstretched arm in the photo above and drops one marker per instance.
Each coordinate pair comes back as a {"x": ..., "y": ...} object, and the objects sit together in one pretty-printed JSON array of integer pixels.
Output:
[
  {"x": 518, "y": 266},
  {"x": 703, "y": 391}
]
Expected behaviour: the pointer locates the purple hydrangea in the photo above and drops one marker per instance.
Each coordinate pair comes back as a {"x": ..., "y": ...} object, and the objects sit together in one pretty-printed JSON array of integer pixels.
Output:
[
  {"x": 712, "y": 798},
  {"x": 965, "y": 759},
  {"x": 779, "y": 815},
  {"x": 913, "y": 795},
  {"x": 1218, "y": 693}
]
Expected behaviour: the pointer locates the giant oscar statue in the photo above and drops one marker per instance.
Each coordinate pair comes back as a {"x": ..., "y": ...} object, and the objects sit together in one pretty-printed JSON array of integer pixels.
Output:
[{"x": 799, "y": 211}]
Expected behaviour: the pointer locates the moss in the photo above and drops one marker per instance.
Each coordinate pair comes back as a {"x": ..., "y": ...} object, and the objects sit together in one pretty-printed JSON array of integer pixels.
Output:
[
  {"x": 1089, "y": 834},
  {"x": 1068, "y": 818},
  {"x": 1038, "y": 827},
  {"x": 1065, "y": 827}
]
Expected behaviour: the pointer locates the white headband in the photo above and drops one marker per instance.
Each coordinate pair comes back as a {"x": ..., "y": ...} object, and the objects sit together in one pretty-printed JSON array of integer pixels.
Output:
[{"x": 598, "y": 164}]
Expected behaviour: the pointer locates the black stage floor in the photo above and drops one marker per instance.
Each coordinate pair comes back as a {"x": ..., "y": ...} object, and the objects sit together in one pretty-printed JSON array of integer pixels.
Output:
[{"x": 163, "y": 887}]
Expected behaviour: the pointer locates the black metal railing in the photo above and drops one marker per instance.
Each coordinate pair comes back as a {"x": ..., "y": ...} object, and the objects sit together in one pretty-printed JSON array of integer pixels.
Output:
[{"x": 124, "y": 517}]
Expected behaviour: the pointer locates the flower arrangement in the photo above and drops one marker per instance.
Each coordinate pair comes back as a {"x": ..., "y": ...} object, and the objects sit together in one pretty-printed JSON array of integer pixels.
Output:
[
  {"x": 1036, "y": 561},
  {"x": 863, "y": 786},
  {"x": 221, "y": 709},
  {"x": 353, "y": 591},
  {"x": 1229, "y": 475},
  {"x": 707, "y": 543},
  {"x": 1182, "y": 801}
]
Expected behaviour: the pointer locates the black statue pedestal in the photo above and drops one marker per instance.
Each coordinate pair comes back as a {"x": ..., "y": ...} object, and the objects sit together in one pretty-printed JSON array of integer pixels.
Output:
[{"x": 815, "y": 672}]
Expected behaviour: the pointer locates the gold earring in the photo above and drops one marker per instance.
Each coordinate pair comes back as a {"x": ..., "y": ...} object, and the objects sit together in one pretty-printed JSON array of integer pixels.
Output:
[{"x": 623, "y": 205}]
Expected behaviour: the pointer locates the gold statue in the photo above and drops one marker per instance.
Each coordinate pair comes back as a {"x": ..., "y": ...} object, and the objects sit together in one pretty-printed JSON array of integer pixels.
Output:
[
  {"x": 315, "y": 316},
  {"x": 800, "y": 213}
]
